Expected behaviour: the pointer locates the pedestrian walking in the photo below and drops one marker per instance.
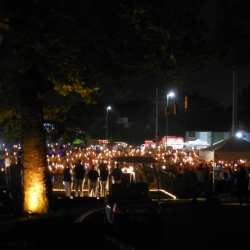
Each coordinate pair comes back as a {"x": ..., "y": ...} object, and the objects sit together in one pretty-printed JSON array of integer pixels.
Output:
[{"x": 79, "y": 172}]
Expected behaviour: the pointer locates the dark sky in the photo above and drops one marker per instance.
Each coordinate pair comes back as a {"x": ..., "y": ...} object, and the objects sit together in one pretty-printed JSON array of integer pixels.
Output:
[
  {"x": 213, "y": 81},
  {"x": 217, "y": 84},
  {"x": 210, "y": 82}
]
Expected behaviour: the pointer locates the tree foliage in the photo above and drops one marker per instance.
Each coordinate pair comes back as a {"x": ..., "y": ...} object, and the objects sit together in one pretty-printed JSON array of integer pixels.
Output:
[{"x": 79, "y": 46}]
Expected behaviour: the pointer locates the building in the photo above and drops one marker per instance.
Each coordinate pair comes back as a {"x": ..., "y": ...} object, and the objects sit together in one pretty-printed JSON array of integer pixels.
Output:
[
  {"x": 207, "y": 136},
  {"x": 211, "y": 137}
]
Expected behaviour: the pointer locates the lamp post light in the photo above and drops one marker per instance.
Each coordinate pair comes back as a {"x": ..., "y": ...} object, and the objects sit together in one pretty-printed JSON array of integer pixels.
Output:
[
  {"x": 107, "y": 121},
  {"x": 171, "y": 94}
]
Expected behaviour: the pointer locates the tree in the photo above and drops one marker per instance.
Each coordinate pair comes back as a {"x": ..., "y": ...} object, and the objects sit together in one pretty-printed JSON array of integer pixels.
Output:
[
  {"x": 72, "y": 49},
  {"x": 34, "y": 62}
]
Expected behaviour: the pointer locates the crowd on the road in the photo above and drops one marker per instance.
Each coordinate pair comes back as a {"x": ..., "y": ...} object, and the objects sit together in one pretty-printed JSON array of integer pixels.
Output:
[{"x": 75, "y": 163}]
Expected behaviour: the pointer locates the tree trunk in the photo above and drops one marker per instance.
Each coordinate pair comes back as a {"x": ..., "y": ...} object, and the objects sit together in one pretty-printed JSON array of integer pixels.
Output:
[{"x": 33, "y": 148}]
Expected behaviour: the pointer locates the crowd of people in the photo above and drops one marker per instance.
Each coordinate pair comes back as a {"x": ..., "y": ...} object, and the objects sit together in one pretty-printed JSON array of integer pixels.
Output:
[
  {"x": 97, "y": 177},
  {"x": 75, "y": 163}
]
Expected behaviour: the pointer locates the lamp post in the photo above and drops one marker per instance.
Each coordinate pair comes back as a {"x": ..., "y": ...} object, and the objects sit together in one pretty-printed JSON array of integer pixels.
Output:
[
  {"x": 171, "y": 94},
  {"x": 107, "y": 121},
  {"x": 234, "y": 109}
]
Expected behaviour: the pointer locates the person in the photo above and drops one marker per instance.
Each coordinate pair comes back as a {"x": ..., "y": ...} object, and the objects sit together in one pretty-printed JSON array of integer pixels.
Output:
[
  {"x": 79, "y": 172},
  {"x": 19, "y": 179},
  {"x": 100, "y": 167},
  {"x": 117, "y": 174},
  {"x": 228, "y": 180},
  {"x": 92, "y": 181},
  {"x": 68, "y": 179},
  {"x": 241, "y": 183},
  {"x": 200, "y": 182},
  {"x": 104, "y": 179}
]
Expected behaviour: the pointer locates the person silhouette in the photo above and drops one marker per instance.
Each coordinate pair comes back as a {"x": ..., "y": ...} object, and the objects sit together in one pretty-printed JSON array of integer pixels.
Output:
[
  {"x": 104, "y": 179},
  {"x": 93, "y": 176},
  {"x": 241, "y": 183},
  {"x": 68, "y": 178},
  {"x": 79, "y": 172},
  {"x": 117, "y": 174}
]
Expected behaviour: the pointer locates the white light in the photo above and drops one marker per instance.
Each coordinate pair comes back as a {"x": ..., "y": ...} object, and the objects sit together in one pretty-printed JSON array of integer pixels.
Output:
[
  {"x": 239, "y": 135},
  {"x": 171, "y": 94}
]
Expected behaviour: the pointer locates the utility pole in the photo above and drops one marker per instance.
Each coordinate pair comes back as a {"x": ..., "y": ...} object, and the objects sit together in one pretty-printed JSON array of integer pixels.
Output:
[
  {"x": 171, "y": 94},
  {"x": 156, "y": 120},
  {"x": 234, "y": 106}
]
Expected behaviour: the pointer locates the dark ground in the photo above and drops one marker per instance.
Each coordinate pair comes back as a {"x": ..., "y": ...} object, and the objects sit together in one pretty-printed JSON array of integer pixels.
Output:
[{"x": 187, "y": 225}]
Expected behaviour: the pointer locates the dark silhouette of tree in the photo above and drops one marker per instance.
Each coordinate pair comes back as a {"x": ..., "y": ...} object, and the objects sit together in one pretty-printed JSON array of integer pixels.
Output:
[{"x": 70, "y": 49}]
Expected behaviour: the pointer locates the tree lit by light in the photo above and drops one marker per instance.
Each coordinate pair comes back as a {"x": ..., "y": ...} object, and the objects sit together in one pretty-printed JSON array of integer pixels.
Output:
[{"x": 34, "y": 192}]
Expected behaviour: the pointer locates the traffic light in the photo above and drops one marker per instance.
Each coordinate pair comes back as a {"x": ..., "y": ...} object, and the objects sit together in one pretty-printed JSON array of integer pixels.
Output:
[
  {"x": 166, "y": 111},
  {"x": 176, "y": 110},
  {"x": 186, "y": 102}
]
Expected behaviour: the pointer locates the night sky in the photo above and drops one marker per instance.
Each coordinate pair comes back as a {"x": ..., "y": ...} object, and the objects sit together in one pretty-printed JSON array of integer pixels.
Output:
[
  {"x": 211, "y": 82},
  {"x": 217, "y": 84}
]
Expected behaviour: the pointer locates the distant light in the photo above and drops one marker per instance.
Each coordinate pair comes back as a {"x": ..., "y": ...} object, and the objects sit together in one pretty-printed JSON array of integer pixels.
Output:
[
  {"x": 239, "y": 135},
  {"x": 171, "y": 94}
]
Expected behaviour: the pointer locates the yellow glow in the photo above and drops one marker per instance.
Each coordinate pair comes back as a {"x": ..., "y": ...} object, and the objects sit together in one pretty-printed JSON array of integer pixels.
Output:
[{"x": 35, "y": 199}]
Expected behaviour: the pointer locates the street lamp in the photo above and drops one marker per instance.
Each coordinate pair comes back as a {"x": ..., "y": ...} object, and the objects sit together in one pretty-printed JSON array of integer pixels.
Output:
[
  {"x": 107, "y": 121},
  {"x": 171, "y": 94}
]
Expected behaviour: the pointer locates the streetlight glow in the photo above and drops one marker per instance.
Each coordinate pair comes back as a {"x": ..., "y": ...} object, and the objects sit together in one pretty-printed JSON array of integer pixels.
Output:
[{"x": 171, "y": 94}]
